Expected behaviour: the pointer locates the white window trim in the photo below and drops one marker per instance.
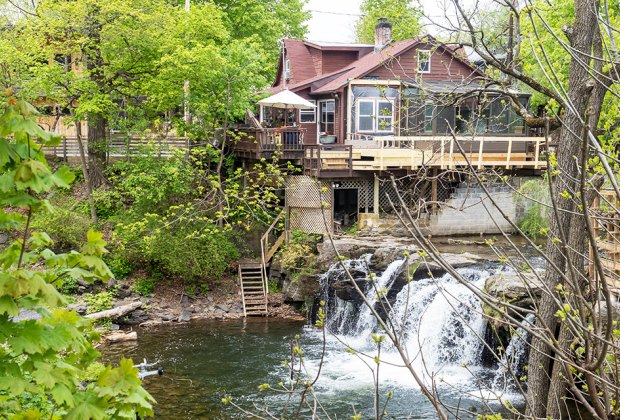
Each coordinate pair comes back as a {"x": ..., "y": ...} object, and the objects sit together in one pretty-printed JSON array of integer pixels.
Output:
[
  {"x": 308, "y": 111},
  {"x": 373, "y": 115},
  {"x": 429, "y": 61},
  {"x": 324, "y": 113},
  {"x": 375, "y": 110},
  {"x": 384, "y": 117}
]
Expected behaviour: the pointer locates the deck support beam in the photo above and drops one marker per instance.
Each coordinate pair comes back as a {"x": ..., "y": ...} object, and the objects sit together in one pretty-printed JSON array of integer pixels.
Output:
[{"x": 375, "y": 206}]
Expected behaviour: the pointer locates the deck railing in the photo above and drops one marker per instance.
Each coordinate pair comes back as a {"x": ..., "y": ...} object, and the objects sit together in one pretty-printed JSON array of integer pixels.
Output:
[
  {"x": 255, "y": 141},
  {"x": 480, "y": 151},
  {"x": 336, "y": 157}
]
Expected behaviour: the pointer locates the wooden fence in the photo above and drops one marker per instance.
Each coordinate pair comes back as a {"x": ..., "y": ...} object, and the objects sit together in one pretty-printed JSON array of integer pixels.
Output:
[{"x": 122, "y": 147}]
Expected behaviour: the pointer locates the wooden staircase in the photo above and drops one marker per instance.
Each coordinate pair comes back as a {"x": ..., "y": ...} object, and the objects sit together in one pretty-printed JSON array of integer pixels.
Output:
[
  {"x": 253, "y": 278},
  {"x": 253, "y": 288}
]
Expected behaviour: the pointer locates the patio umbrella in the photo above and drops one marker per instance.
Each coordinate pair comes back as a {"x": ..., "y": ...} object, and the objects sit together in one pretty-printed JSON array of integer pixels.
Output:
[{"x": 288, "y": 100}]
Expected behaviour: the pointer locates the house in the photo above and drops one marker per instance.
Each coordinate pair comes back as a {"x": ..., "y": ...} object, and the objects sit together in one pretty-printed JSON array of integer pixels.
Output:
[{"x": 392, "y": 108}]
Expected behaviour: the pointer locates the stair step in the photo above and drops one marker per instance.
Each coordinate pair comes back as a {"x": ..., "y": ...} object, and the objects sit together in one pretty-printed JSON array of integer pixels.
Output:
[
  {"x": 253, "y": 282},
  {"x": 253, "y": 288},
  {"x": 251, "y": 277}
]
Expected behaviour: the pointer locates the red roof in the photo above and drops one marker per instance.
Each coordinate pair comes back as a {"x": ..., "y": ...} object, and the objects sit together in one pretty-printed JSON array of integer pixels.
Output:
[{"x": 305, "y": 71}]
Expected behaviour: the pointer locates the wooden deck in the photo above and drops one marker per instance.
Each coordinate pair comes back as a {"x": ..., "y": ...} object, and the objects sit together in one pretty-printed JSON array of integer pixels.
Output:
[{"x": 410, "y": 153}]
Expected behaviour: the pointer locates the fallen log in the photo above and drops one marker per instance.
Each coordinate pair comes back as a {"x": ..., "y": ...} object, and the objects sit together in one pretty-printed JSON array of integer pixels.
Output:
[
  {"x": 117, "y": 312},
  {"x": 120, "y": 336}
]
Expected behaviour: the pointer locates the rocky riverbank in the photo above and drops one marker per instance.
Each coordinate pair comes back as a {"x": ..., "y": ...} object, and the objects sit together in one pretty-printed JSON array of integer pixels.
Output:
[{"x": 169, "y": 304}]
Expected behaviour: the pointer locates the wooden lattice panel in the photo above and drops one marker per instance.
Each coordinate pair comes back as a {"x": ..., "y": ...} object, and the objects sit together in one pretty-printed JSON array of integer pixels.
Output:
[{"x": 304, "y": 201}]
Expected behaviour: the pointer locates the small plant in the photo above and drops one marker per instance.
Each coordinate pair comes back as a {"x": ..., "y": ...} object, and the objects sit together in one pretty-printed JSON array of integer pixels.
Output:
[
  {"x": 119, "y": 265},
  {"x": 274, "y": 287},
  {"x": 351, "y": 230},
  {"x": 99, "y": 302},
  {"x": 144, "y": 286}
]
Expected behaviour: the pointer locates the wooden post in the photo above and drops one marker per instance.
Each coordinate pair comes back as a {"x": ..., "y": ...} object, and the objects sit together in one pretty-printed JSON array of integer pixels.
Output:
[
  {"x": 537, "y": 153},
  {"x": 64, "y": 148},
  {"x": 376, "y": 196},
  {"x": 434, "y": 193},
  {"x": 443, "y": 147},
  {"x": 509, "y": 152},
  {"x": 350, "y": 160},
  {"x": 451, "y": 164}
]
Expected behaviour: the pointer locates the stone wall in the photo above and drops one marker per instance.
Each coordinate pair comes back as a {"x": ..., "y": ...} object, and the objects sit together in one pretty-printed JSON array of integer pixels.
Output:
[
  {"x": 471, "y": 212},
  {"x": 467, "y": 212}
]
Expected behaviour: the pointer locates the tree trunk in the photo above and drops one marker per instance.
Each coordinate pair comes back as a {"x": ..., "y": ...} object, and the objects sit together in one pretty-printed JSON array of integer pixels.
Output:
[
  {"x": 97, "y": 149},
  {"x": 541, "y": 369},
  {"x": 85, "y": 171}
]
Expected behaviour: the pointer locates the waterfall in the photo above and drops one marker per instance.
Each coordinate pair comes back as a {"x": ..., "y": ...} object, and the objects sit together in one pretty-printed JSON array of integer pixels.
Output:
[
  {"x": 514, "y": 359},
  {"x": 440, "y": 320}
]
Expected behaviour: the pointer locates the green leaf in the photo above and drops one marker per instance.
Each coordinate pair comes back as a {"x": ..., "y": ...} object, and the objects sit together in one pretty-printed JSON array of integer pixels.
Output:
[{"x": 8, "y": 306}]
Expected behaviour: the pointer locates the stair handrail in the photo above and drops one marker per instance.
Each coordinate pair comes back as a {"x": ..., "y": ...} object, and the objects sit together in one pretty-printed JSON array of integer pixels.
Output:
[{"x": 264, "y": 250}]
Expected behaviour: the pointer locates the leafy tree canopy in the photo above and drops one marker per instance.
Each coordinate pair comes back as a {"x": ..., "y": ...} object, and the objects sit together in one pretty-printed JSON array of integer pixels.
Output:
[
  {"x": 404, "y": 17},
  {"x": 46, "y": 351}
]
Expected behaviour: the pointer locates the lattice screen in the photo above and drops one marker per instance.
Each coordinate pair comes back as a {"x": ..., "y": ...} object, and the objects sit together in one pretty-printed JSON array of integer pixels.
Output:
[{"x": 304, "y": 200}]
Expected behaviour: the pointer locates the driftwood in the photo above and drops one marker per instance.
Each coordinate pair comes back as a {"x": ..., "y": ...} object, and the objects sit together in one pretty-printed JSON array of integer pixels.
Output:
[
  {"x": 118, "y": 337},
  {"x": 117, "y": 312}
]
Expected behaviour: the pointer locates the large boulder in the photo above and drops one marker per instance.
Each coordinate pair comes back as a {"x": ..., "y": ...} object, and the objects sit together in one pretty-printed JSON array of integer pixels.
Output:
[
  {"x": 384, "y": 250},
  {"x": 518, "y": 288},
  {"x": 300, "y": 289}
]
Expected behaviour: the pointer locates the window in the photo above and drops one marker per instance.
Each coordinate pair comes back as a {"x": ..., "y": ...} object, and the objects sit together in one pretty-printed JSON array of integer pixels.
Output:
[
  {"x": 287, "y": 69},
  {"x": 375, "y": 116},
  {"x": 366, "y": 116},
  {"x": 428, "y": 117},
  {"x": 385, "y": 117},
  {"x": 424, "y": 61},
  {"x": 326, "y": 116},
  {"x": 308, "y": 115}
]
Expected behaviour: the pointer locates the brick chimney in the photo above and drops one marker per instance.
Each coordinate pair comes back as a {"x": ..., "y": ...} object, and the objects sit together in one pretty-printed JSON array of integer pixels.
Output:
[{"x": 383, "y": 33}]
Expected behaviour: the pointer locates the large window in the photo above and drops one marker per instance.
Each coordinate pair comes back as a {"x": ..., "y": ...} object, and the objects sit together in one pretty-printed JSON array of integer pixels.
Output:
[
  {"x": 375, "y": 116},
  {"x": 326, "y": 116},
  {"x": 424, "y": 61},
  {"x": 308, "y": 115}
]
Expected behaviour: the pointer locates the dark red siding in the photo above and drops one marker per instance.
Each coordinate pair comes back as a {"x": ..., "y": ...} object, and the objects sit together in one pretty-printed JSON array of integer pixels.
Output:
[
  {"x": 443, "y": 66},
  {"x": 336, "y": 60}
]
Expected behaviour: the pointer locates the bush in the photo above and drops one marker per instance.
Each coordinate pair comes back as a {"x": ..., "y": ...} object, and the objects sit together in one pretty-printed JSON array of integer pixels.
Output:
[
  {"x": 175, "y": 252},
  {"x": 300, "y": 252},
  {"x": 144, "y": 287},
  {"x": 119, "y": 265},
  {"x": 536, "y": 201},
  {"x": 67, "y": 228}
]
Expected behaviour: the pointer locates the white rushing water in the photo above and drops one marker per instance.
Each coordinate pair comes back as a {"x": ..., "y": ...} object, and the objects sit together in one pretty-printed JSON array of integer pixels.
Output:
[{"x": 439, "y": 321}]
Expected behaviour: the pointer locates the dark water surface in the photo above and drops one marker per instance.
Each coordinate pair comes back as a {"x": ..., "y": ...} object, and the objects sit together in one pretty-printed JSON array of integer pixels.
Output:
[{"x": 206, "y": 360}]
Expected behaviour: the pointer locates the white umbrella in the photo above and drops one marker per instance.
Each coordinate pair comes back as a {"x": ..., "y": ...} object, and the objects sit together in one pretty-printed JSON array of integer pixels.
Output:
[{"x": 286, "y": 99}]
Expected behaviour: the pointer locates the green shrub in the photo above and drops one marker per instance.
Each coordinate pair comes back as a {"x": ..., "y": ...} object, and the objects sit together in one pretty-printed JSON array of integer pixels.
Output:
[
  {"x": 534, "y": 223},
  {"x": 173, "y": 251},
  {"x": 144, "y": 286},
  {"x": 534, "y": 197},
  {"x": 119, "y": 265},
  {"x": 99, "y": 302},
  {"x": 67, "y": 228},
  {"x": 300, "y": 251}
]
